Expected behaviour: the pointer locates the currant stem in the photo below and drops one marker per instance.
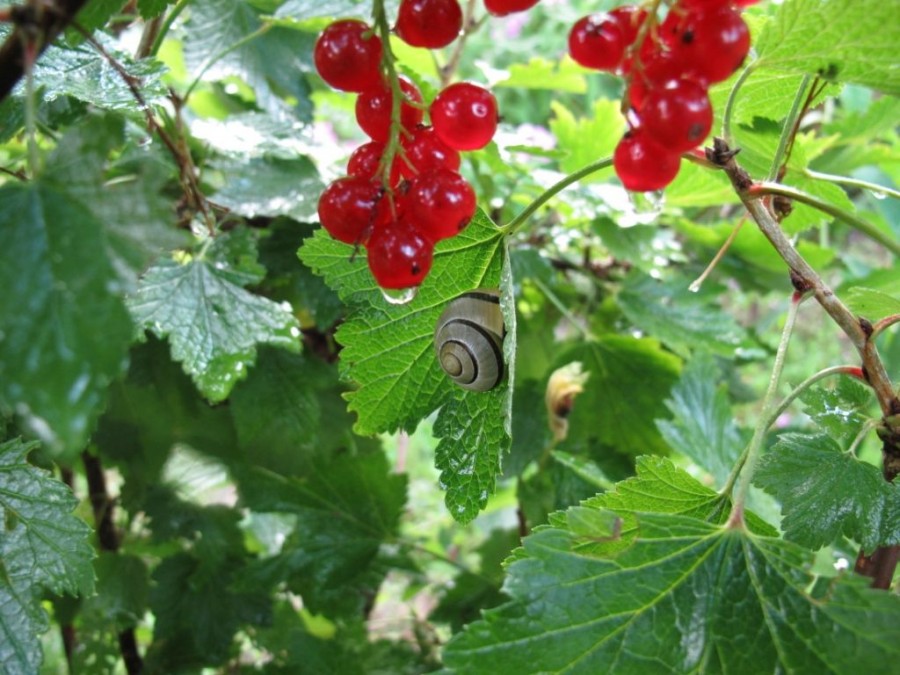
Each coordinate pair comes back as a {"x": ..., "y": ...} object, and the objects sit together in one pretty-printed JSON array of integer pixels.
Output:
[
  {"x": 552, "y": 191},
  {"x": 863, "y": 226},
  {"x": 789, "y": 130},
  {"x": 167, "y": 24},
  {"x": 392, "y": 147},
  {"x": 30, "y": 52},
  {"x": 732, "y": 98},
  {"x": 885, "y": 323},
  {"x": 753, "y": 451},
  {"x": 853, "y": 182}
]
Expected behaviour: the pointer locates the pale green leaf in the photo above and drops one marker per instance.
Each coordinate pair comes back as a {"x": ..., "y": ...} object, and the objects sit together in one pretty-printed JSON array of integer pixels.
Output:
[
  {"x": 586, "y": 140},
  {"x": 871, "y": 303},
  {"x": 826, "y": 493},
  {"x": 842, "y": 40},
  {"x": 64, "y": 329},
  {"x": 541, "y": 73},
  {"x": 212, "y": 324}
]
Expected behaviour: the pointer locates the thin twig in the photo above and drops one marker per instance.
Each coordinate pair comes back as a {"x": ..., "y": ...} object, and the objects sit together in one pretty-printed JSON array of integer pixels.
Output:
[{"x": 103, "y": 507}]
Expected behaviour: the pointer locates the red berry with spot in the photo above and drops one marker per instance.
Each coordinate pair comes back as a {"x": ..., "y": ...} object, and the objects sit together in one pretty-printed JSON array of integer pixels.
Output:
[
  {"x": 425, "y": 151},
  {"x": 350, "y": 207},
  {"x": 711, "y": 44},
  {"x": 464, "y": 116},
  {"x": 348, "y": 55},
  {"x": 429, "y": 23},
  {"x": 657, "y": 68},
  {"x": 677, "y": 115},
  {"x": 399, "y": 255},
  {"x": 373, "y": 110},
  {"x": 440, "y": 203},
  {"x": 642, "y": 164},
  {"x": 504, "y": 7},
  {"x": 365, "y": 161},
  {"x": 595, "y": 41}
]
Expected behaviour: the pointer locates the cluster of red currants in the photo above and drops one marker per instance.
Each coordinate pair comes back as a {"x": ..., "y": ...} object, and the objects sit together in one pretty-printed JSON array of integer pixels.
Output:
[
  {"x": 668, "y": 67},
  {"x": 399, "y": 212}
]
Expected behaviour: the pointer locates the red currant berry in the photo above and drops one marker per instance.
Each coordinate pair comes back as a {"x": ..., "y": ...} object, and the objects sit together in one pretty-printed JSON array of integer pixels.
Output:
[
  {"x": 628, "y": 19},
  {"x": 642, "y": 165},
  {"x": 399, "y": 256},
  {"x": 429, "y": 23},
  {"x": 703, "y": 5},
  {"x": 656, "y": 68},
  {"x": 711, "y": 44},
  {"x": 504, "y": 7},
  {"x": 350, "y": 207},
  {"x": 595, "y": 41},
  {"x": 365, "y": 161},
  {"x": 678, "y": 115},
  {"x": 464, "y": 116},
  {"x": 440, "y": 203},
  {"x": 373, "y": 110},
  {"x": 425, "y": 151},
  {"x": 348, "y": 56}
]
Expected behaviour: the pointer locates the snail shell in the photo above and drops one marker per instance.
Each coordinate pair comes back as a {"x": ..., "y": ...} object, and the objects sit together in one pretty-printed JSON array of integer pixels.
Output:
[{"x": 468, "y": 340}]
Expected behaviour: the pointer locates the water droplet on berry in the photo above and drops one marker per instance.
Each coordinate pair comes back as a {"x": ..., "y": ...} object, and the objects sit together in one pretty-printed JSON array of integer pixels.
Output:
[{"x": 400, "y": 296}]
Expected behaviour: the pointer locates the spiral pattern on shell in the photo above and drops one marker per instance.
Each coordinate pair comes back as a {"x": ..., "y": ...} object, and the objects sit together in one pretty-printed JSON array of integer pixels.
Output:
[{"x": 468, "y": 340}]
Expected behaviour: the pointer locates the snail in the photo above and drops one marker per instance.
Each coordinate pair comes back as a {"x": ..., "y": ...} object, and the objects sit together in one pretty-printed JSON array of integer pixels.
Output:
[{"x": 468, "y": 340}]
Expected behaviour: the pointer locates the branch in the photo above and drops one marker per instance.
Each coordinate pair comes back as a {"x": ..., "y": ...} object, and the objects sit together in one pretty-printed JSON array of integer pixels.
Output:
[
  {"x": 881, "y": 564},
  {"x": 36, "y": 24},
  {"x": 103, "y": 507}
]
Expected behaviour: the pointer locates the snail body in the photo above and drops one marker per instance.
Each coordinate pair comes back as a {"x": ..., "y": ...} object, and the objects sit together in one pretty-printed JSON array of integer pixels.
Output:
[{"x": 468, "y": 340}]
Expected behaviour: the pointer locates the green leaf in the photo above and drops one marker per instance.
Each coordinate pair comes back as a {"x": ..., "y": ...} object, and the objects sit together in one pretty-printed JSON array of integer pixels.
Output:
[
  {"x": 213, "y": 325},
  {"x": 125, "y": 194},
  {"x": 840, "y": 411},
  {"x": 43, "y": 547},
  {"x": 841, "y": 40},
  {"x": 82, "y": 73},
  {"x": 290, "y": 281},
  {"x": 825, "y": 492},
  {"x": 685, "y": 321},
  {"x": 270, "y": 187},
  {"x": 218, "y": 45},
  {"x": 629, "y": 380},
  {"x": 347, "y": 509},
  {"x": 198, "y": 608},
  {"x": 703, "y": 425},
  {"x": 151, "y": 8},
  {"x": 473, "y": 439},
  {"x": 64, "y": 329},
  {"x": 388, "y": 348},
  {"x": 289, "y": 412},
  {"x": 687, "y": 596},
  {"x": 123, "y": 589},
  {"x": 301, "y": 10},
  {"x": 871, "y": 303},
  {"x": 154, "y": 408}
]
